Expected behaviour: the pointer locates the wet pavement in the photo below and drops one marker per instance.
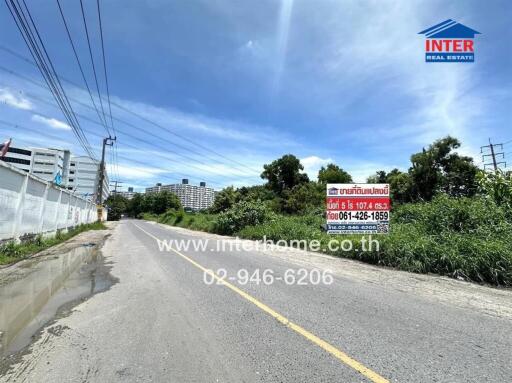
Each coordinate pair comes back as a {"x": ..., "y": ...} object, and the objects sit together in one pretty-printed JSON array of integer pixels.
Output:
[{"x": 37, "y": 290}]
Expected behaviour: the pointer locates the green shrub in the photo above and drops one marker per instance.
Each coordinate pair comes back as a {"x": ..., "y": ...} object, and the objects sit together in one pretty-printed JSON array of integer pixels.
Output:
[
  {"x": 463, "y": 215},
  {"x": 242, "y": 214}
]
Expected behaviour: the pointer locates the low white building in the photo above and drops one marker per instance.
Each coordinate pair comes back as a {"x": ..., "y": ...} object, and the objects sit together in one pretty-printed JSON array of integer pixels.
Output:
[
  {"x": 194, "y": 197},
  {"x": 78, "y": 174}
]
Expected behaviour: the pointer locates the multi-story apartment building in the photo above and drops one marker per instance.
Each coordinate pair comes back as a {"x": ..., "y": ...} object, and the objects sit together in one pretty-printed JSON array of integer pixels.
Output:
[
  {"x": 79, "y": 174},
  {"x": 191, "y": 196},
  {"x": 50, "y": 163},
  {"x": 127, "y": 194},
  {"x": 83, "y": 177}
]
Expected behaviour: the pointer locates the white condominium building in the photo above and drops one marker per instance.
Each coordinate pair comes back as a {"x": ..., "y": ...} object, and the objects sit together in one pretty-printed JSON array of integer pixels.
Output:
[{"x": 191, "y": 196}]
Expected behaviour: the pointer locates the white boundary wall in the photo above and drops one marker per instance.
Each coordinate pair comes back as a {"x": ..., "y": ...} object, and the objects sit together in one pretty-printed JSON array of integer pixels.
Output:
[{"x": 30, "y": 205}]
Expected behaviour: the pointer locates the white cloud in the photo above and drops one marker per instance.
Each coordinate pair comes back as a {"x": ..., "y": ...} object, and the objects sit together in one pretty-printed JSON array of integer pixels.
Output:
[
  {"x": 190, "y": 124},
  {"x": 138, "y": 172},
  {"x": 51, "y": 122},
  {"x": 18, "y": 102},
  {"x": 312, "y": 165}
]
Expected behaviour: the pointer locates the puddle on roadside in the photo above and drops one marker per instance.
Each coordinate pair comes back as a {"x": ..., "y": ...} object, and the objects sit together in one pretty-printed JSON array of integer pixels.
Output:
[{"x": 50, "y": 290}]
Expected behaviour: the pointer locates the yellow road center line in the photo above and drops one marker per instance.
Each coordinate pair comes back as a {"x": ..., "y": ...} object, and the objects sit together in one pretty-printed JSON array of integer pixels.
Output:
[{"x": 343, "y": 357}]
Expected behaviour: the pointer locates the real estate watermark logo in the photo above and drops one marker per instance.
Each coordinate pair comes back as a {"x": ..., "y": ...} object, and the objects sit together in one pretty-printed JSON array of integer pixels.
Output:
[{"x": 449, "y": 41}]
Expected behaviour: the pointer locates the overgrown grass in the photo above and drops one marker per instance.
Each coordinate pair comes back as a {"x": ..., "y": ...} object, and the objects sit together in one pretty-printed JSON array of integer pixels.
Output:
[
  {"x": 469, "y": 238},
  {"x": 193, "y": 221},
  {"x": 12, "y": 252}
]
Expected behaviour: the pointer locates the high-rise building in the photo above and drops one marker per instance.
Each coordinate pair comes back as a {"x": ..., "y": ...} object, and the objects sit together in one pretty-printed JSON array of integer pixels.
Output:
[{"x": 191, "y": 196}]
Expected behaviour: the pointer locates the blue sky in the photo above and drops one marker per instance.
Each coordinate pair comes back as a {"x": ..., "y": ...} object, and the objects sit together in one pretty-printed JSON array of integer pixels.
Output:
[{"x": 329, "y": 81}]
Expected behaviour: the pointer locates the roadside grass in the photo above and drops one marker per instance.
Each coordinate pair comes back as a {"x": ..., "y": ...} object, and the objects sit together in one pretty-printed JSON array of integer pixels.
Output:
[
  {"x": 12, "y": 252},
  {"x": 194, "y": 221},
  {"x": 464, "y": 238}
]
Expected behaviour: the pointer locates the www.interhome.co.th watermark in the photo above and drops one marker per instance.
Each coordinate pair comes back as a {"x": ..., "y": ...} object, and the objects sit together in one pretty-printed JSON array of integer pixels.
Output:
[{"x": 222, "y": 245}]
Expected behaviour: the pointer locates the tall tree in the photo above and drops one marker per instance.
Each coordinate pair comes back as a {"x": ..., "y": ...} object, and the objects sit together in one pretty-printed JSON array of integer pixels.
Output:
[
  {"x": 284, "y": 173},
  {"x": 225, "y": 199},
  {"x": 134, "y": 206},
  {"x": 438, "y": 168},
  {"x": 117, "y": 206},
  {"x": 380, "y": 177},
  {"x": 333, "y": 174},
  {"x": 163, "y": 201}
]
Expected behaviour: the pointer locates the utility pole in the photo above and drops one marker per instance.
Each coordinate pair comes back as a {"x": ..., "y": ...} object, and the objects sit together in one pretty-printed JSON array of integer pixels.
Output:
[
  {"x": 493, "y": 154},
  {"x": 107, "y": 141},
  {"x": 116, "y": 182}
]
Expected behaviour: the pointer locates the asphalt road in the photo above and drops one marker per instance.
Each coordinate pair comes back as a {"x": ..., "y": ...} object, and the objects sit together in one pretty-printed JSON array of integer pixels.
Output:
[{"x": 163, "y": 323}]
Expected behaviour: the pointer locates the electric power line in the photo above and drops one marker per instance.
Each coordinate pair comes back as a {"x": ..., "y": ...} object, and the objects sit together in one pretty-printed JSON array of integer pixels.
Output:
[
  {"x": 80, "y": 65},
  {"x": 164, "y": 148},
  {"x": 43, "y": 62},
  {"x": 92, "y": 59},
  {"x": 106, "y": 83},
  {"x": 105, "y": 65},
  {"x": 168, "y": 130}
]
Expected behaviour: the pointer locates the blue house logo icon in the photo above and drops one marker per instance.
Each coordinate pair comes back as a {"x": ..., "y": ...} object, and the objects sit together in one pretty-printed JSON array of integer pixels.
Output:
[{"x": 449, "y": 41}]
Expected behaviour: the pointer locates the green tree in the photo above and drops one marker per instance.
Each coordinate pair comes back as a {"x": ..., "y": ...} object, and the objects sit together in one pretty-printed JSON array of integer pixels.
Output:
[
  {"x": 380, "y": 177},
  {"x": 437, "y": 169},
  {"x": 225, "y": 199},
  {"x": 460, "y": 176},
  {"x": 148, "y": 203},
  {"x": 254, "y": 193},
  {"x": 304, "y": 198},
  {"x": 400, "y": 186},
  {"x": 163, "y": 201},
  {"x": 333, "y": 174},
  {"x": 117, "y": 205},
  {"x": 134, "y": 206},
  {"x": 284, "y": 173}
]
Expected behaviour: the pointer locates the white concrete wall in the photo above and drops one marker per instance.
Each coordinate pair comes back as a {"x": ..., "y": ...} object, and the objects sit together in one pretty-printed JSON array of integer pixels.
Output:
[{"x": 30, "y": 205}]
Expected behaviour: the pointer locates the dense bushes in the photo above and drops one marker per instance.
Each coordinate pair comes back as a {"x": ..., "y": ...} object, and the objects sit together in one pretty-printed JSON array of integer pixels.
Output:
[
  {"x": 467, "y": 238},
  {"x": 462, "y": 237},
  {"x": 242, "y": 214},
  {"x": 195, "y": 221},
  {"x": 152, "y": 203}
]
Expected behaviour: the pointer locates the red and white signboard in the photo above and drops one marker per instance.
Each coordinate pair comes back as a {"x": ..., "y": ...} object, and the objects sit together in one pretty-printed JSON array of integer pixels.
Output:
[{"x": 358, "y": 208}]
